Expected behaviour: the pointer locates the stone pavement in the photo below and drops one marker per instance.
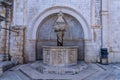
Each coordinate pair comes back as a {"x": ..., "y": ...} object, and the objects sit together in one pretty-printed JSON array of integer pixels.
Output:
[{"x": 93, "y": 71}]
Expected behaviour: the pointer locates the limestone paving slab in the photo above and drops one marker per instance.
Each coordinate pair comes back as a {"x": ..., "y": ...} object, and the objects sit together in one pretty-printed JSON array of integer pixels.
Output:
[
  {"x": 21, "y": 75},
  {"x": 92, "y": 72},
  {"x": 10, "y": 75},
  {"x": 30, "y": 72},
  {"x": 61, "y": 70}
]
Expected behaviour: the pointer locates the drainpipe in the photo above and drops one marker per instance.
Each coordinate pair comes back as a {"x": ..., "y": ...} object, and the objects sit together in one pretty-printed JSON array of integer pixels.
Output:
[
  {"x": 104, "y": 32},
  {"x": 8, "y": 32},
  {"x": 104, "y": 22},
  {"x": 101, "y": 24}
]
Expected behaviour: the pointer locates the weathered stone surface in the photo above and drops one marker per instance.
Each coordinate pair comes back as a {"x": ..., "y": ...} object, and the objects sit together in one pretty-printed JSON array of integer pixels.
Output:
[
  {"x": 114, "y": 30},
  {"x": 96, "y": 13},
  {"x": 99, "y": 21},
  {"x": 5, "y": 66},
  {"x": 93, "y": 72},
  {"x": 71, "y": 70},
  {"x": 73, "y": 35},
  {"x": 17, "y": 42},
  {"x": 60, "y": 56}
]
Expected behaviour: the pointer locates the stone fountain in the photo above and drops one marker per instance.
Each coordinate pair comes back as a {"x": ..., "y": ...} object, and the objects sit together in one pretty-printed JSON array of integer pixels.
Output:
[
  {"x": 60, "y": 59},
  {"x": 60, "y": 55}
]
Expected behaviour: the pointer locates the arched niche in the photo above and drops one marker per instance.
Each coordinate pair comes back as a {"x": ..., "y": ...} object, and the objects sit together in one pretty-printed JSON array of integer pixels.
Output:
[
  {"x": 74, "y": 35},
  {"x": 37, "y": 21},
  {"x": 67, "y": 10}
]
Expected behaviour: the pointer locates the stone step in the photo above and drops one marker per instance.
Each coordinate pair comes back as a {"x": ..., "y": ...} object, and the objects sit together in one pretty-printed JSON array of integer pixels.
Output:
[
  {"x": 10, "y": 75},
  {"x": 15, "y": 68},
  {"x": 35, "y": 75},
  {"x": 64, "y": 71},
  {"x": 100, "y": 75},
  {"x": 97, "y": 66},
  {"x": 21, "y": 75},
  {"x": 92, "y": 72},
  {"x": 36, "y": 64},
  {"x": 5, "y": 66},
  {"x": 86, "y": 74},
  {"x": 30, "y": 72},
  {"x": 111, "y": 77},
  {"x": 104, "y": 67},
  {"x": 69, "y": 70}
]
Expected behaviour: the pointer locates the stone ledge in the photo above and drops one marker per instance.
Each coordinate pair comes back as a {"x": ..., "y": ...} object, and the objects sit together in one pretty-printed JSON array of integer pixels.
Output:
[
  {"x": 70, "y": 70},
  {"x": 5, "y": 66},
  {"x": 62, "y": 70},
  {"x": 60, "y": 47}
]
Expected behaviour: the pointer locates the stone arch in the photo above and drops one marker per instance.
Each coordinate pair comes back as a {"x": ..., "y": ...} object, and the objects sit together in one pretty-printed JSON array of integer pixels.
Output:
[
  {"x": 53, "y": 10},
  {"x": 39, "y": 18},
  {"x": 73, "y": 36}
]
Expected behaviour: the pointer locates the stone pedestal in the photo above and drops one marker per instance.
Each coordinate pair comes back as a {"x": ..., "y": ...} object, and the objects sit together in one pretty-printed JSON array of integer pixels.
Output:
[{"x": 60, "y": 55}]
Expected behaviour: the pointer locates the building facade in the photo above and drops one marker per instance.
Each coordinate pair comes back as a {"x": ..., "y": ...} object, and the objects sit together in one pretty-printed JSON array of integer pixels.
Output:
[{"x": 93, "y": 24}]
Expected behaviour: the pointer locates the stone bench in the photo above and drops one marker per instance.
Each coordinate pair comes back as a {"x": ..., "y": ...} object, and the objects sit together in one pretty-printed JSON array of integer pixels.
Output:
[{"x": 5, "y": 66}]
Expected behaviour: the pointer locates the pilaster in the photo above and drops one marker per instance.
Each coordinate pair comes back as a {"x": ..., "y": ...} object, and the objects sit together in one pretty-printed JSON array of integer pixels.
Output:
[{"x": 17, "y": 45}]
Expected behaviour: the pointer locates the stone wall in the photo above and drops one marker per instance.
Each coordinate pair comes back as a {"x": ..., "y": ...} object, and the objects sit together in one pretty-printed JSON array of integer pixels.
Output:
[
  {"x": 100, "y": 25},
  {"x": 35, "y": 7},
  {"x": 2, "y": 36},
  {"x": 28, "y": 12},
  {"x": 114, "y": 30},
  {"x": 17, "y": 45}
]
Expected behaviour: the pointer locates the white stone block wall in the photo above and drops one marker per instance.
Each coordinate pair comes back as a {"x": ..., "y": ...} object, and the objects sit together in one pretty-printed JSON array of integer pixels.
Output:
[
  {"x": 2, "y": 35},
  {"x": 114, "y": 30},
  {"x": 103, "y": 33},
  {"x": 26, "y": 12}
]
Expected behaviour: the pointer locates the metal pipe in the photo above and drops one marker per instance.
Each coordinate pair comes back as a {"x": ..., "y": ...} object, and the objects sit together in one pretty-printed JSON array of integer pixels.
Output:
[{"x": 101, "y": 26}]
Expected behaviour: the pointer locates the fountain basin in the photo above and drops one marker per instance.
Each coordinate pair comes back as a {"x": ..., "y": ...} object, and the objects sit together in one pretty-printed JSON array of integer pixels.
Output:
[{"x": 60, "y": 55}]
